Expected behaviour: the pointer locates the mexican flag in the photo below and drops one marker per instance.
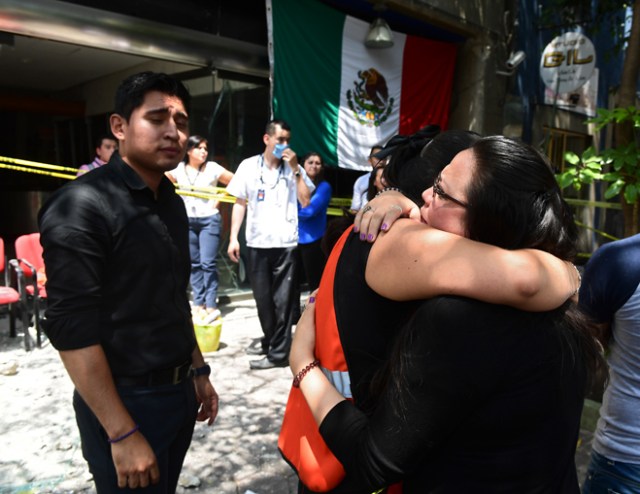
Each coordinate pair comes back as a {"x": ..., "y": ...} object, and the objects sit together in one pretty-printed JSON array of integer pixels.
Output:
[{"x": 341, "y": 97}]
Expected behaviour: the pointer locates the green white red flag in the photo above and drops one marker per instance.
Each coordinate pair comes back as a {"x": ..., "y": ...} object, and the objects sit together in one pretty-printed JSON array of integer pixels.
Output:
[{"x": 341, "y": 97}]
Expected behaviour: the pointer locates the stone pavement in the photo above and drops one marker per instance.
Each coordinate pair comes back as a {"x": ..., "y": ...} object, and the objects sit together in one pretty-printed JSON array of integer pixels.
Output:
[{"x": 40, "y": 446}]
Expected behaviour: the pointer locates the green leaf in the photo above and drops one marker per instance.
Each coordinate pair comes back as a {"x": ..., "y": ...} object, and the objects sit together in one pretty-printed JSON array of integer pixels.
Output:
[
  {"x": 566, "y": 179},
  {"x": 630, "y": 194},
  {"x": 631, "y": 160},
  {"x": 613, "y": 190},
  {"x": 571, "y": 157},
  {"x": 611, "y": 177},
  {"x": 617, "y": 163},
  {"x": 589, "y": 153},
  {"x": 593, "y": 164},
  {"x": 593, "y": 174}
]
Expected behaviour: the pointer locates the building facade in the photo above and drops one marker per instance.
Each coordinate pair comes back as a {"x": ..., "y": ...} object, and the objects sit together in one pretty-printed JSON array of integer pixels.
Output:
[{"x": 60, "y": 62}]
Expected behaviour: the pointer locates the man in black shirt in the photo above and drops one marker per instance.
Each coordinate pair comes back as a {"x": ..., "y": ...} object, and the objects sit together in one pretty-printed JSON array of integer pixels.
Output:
[{"x": 116, "y": 250}]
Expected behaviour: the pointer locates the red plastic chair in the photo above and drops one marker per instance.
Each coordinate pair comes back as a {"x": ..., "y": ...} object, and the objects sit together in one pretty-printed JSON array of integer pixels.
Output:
[
  {"x": 11, "y": 298},
  {"x": 31, "y": 276}
]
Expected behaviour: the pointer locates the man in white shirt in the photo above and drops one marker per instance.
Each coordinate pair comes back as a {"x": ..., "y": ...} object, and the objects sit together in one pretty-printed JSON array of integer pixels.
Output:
[
  {"x": 267, "y": 188},
  {"x": 361, "y": 185}
]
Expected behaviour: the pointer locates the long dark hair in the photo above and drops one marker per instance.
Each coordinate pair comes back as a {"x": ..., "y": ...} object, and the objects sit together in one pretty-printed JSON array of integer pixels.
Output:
[
  {"x": 372, "y": 190},
  {"x": 515, "y": 203}
]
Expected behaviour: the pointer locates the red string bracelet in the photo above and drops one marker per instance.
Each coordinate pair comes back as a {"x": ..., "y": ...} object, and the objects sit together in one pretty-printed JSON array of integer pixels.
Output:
[
  {"x": 124, "y": 436},
  {"x": 300, "y": 375}
]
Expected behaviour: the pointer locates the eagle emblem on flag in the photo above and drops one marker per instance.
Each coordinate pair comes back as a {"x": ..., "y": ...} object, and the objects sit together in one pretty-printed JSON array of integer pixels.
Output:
[{"x": 369, "y": 100}]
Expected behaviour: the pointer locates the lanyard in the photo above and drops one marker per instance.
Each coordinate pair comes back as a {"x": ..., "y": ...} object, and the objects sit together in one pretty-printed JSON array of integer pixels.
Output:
[{"x": 280, "y": 172}]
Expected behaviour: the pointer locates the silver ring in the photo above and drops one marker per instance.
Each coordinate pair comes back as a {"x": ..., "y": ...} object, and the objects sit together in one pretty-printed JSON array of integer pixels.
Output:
[
  {"x": 366, "y": 209},
  {"x": 396, "y": 206}
]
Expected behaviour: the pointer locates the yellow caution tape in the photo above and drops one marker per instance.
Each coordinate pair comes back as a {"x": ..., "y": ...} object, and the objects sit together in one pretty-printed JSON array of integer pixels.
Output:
[
  {"x": 219, "y": 193},
  {"x": 46, "y": 166},
  {"x": 36, "y": 171},
  {"x": 340, "y": 201},
  {"x": 194, "y": 188},
  {"x": 221, "y": 196}
]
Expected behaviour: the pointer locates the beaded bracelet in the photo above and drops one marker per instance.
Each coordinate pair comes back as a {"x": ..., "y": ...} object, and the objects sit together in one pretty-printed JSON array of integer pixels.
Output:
[
  {"x": 124, "y": 436},
  {"x": 300, "y": 375},
  {"x": 387, "y": 189}
]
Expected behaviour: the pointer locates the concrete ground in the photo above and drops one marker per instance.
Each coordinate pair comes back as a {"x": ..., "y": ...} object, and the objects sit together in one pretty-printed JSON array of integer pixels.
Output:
[{"x": 40, "y": 446}]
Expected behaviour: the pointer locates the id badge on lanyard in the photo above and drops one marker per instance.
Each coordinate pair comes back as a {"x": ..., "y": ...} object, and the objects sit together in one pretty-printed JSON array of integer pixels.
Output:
[{"x": 260, "y": 195}]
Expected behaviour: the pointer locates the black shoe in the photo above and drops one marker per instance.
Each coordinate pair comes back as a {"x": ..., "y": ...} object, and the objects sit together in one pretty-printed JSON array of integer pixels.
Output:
[
  {"x": 255, "y": 350},
  {"x": 265, "y": 363}
]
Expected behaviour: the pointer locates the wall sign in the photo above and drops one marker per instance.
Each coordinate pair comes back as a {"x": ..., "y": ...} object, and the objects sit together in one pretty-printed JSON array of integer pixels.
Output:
[{"x": 567, "y": 63}]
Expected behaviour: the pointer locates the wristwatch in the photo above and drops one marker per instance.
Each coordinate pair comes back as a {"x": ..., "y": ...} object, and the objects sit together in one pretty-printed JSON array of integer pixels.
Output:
[
  {"x": 205, "y": 370},
  {"x": 297, "y": 172}
]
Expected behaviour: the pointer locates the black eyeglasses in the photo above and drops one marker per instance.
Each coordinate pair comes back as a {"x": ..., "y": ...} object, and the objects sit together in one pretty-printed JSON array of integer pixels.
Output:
[{"x": 437, "y": 190}]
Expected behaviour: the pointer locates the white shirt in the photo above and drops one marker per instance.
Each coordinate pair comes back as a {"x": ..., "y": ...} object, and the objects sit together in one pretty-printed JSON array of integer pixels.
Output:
[
  {"x": 206, "y": 176},
  {"x": 272, "y": 202},
  {"x": 360, "y": 189}
]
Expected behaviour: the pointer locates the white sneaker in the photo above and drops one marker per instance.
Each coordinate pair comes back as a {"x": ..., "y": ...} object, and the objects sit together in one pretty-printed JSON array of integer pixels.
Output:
[{"x": 212, "y": 316}]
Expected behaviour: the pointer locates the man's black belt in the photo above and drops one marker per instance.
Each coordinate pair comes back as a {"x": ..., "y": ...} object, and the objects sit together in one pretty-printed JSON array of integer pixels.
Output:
[{"x": 172, "y": 375}]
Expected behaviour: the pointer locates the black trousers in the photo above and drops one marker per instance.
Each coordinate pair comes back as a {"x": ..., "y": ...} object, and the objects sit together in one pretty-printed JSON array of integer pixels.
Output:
[
  {"x": 313, "y": 261},
  {"x": 273, "y": 276},
  {"x": 166, "y": 416}
]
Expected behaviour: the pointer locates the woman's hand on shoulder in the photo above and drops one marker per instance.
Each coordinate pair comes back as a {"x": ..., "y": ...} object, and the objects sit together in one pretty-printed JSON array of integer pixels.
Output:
[{"x": 381, "y": 212}]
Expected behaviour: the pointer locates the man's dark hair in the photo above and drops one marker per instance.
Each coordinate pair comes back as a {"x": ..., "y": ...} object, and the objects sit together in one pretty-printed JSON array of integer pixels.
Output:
[
  {"x": 131, "y": 92},
  {"x": 272, "y": 124},
  {"x": 102, "y": 137}
]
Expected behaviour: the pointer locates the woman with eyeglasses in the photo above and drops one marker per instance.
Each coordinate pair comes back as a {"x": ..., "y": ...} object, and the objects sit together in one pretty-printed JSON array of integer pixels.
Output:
[
  {"x": 366, "y": 292},
  {"x": 204, "y": 224},
  {"x": 477, "y": 397}
]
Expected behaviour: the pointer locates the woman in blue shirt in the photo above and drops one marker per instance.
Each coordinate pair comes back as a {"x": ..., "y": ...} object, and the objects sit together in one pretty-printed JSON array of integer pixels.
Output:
[{"x": 312, "y": 221}]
